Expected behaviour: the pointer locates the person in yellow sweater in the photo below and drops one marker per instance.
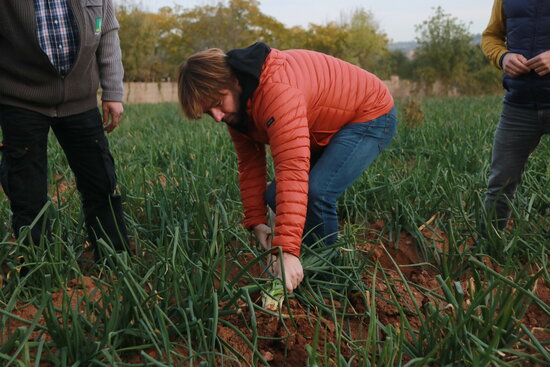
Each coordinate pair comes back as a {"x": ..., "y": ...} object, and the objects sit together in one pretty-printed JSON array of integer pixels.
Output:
[{"x": 517, "y": 40}]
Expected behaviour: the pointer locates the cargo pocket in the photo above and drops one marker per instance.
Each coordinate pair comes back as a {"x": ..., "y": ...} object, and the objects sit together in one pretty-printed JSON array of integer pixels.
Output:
[
  {"x": 14, "y": 161},
  {"x": 108, "y": 163}
]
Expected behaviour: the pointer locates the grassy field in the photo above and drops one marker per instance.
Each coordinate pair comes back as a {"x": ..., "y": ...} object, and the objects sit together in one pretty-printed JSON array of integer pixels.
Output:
[{"x": 403, "y": 286}]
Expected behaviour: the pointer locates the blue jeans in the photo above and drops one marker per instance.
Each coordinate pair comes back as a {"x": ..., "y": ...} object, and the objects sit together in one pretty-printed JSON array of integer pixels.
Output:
[
  {"x": 517, "y": 135},
  {"x": 342, "y": 161}
]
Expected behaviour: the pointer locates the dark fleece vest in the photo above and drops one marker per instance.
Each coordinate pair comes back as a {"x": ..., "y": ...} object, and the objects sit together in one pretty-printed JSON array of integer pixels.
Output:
[{"x": 527, "y": 33}]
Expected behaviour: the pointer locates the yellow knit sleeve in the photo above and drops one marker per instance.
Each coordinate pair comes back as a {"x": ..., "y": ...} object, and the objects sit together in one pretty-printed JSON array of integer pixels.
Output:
[{"x": 493, "y": 39}]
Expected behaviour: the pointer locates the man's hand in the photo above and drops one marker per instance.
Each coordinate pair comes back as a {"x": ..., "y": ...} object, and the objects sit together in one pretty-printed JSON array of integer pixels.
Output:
[
  {"x": 294, "y": 273},
  {"x": 514, "y": 65},
  {"x": 263, "y": 235},
  {"x": 540, "y": 63},
  {"x": 112, "y": 113}
]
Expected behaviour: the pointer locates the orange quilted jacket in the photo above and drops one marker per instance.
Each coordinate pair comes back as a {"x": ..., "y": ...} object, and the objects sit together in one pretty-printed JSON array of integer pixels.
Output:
[{"x": 302, "y": 100}]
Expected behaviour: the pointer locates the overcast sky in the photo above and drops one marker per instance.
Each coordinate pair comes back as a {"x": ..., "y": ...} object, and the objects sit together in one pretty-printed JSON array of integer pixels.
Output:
[{"x": 396, "y": 18}]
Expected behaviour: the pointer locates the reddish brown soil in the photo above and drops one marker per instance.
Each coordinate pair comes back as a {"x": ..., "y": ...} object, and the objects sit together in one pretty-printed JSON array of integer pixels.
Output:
[
  {"x": 62, "y": 189},
  {"x": 284, "y": 341}
]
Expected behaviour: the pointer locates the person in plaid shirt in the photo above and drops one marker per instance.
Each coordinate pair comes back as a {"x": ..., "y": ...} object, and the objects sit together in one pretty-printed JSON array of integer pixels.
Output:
[{"x": 54, "y": 55}]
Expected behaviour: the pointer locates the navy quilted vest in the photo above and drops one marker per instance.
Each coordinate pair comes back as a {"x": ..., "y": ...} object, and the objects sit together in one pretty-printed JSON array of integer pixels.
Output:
[{"x": 527, "y": 33}]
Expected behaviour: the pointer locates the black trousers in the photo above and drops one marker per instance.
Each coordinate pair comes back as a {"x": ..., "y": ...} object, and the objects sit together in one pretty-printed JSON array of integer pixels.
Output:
[{"x": 23, "y": 170}]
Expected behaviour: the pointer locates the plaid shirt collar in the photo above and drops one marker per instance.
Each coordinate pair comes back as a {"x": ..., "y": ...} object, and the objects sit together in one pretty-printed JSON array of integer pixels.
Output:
[{"x": 57, "y": 32}]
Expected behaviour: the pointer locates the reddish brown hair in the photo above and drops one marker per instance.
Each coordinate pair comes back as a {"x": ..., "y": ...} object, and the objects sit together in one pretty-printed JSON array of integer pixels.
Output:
[{"x": 200, "y": 80}]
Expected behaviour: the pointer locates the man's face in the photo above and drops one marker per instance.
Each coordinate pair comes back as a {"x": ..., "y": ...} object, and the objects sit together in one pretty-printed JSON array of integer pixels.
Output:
[{"x": 226, "y": 107}]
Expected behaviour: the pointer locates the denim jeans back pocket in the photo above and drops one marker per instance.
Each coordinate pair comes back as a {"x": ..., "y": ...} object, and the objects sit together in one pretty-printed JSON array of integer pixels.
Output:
[{"x": 384, "y": 128}]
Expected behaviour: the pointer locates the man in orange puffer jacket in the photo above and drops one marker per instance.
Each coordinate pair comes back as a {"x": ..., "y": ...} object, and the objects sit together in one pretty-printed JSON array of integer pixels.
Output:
[{"x": 325, "y": 120}]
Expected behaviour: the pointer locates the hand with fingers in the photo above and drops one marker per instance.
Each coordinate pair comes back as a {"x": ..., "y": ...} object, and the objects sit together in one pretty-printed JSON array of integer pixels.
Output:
[
  {"x": 294, "y": 272},
  {"x": 514, "y": 65},
  {"x": 540, "y": 63},
  {"x": 263, "y": 234},
  {"x": 112, "y": 114}
]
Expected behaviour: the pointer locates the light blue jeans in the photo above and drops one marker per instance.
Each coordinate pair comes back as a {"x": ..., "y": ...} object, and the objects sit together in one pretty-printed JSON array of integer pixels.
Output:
[
  {"x": 349, "y": 153},
  {"x": 517, "y": 135}
]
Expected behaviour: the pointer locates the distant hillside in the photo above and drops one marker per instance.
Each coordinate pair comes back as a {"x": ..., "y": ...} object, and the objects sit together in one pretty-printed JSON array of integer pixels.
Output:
[
  {"x": 403, "y": 46},
  {"x": 409, "y": 47}
]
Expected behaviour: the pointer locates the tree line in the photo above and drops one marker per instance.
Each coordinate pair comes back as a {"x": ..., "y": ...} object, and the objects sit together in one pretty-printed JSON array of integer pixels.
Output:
[{"x": 155, "y": 44}]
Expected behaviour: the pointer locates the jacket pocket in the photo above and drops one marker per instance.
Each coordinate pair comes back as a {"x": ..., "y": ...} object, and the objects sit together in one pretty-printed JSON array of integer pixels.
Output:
[{"x": 93, "y": 15}]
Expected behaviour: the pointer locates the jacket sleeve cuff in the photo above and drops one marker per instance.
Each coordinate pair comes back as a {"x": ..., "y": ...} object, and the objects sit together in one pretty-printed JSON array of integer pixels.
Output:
[
  {"x": 112, "y": 96},
  {"x": 286, "y": 247},
  {"x": 249, "y": 225},
  {"x": 501, "y": 58},
  {"x": 293, "y": 251}
]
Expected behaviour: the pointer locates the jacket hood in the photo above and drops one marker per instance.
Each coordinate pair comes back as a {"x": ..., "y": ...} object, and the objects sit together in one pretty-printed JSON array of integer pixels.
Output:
[{"x": 247, "y": 65}]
